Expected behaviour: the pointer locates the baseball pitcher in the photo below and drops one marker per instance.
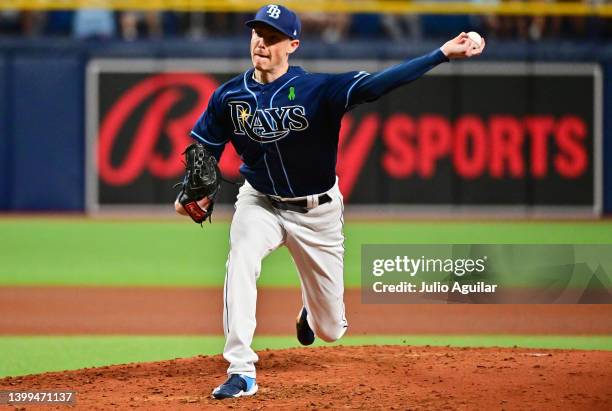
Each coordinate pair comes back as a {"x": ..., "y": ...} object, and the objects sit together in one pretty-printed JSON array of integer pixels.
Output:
[{"x": 284, "y": 123}]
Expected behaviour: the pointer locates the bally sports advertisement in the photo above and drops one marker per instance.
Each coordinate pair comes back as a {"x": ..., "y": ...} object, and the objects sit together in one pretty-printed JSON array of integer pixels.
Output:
[{"x": 528, "y": 140}]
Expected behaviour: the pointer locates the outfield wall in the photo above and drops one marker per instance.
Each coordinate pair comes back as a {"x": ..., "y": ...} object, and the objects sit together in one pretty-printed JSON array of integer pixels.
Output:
[{"x": 43, "y": 149}]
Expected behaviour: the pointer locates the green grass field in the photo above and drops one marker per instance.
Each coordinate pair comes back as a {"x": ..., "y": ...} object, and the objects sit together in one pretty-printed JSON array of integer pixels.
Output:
[
  {"x": 59, "y": 251},
  {"x": 124, "y": 253}
]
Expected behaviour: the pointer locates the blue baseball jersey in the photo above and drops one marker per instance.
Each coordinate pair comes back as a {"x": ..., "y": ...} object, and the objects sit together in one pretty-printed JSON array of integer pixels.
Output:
[{"x": 286, "y": 132}]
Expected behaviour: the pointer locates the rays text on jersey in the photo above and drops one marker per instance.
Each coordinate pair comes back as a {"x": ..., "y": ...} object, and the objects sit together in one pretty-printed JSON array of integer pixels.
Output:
[{"x": 267, "y": 125}]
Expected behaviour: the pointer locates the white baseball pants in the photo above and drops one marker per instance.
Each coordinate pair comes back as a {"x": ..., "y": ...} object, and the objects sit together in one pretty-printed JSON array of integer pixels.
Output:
[{"x": 316, "y": 243}]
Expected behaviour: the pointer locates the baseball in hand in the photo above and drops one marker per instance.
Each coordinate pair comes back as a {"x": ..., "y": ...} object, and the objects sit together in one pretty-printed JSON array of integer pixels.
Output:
[{"x": 476, "y": 39}]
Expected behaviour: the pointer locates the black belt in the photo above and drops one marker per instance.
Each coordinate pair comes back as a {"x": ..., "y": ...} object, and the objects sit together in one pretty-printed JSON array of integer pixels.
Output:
[{"x": 300, "y": 206}]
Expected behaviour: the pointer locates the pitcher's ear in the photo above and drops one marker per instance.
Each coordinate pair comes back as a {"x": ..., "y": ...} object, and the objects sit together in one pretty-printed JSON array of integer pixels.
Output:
[{"x": 294, "y": 44}]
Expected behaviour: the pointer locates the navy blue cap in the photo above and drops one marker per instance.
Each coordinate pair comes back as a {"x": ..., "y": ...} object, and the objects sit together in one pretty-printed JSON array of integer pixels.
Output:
[{"x": 279, "y": 18}]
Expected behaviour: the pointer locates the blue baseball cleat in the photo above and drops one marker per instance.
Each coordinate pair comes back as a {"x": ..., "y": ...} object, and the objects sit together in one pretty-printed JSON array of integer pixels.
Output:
[
  {"x": 305, "y": 335},
  {"x": 236, "y": 386}
]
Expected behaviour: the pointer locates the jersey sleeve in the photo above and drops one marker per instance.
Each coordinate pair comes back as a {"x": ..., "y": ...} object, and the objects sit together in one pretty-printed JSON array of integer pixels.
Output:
[
  {"x": 209, "y": 129},
  {"x": 357, "y": 87}
]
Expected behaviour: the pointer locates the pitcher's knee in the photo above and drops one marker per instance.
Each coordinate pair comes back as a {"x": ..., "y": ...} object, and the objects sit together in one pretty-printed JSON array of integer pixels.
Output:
[
  {"x": 330, "y": 332},
  {"x": 244, "y": 258}
]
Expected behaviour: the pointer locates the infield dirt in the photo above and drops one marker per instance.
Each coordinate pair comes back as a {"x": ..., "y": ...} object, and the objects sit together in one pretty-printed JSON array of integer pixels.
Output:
[
  {"x": 370, "y": 377},
  {"x": 194, "y": 311}
]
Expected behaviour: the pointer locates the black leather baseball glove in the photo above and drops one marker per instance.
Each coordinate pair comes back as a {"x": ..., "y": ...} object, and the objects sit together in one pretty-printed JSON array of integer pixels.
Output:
[{"x": 202, "y": 179}]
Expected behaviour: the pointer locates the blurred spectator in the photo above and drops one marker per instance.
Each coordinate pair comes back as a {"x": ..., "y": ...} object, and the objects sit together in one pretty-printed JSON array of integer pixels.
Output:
[
  {"x": 403, "y": 26},
  {"x": 25, "y": 23},
  {"x": 171, "y": 23},
  {"x": 367, "y": 25},
  {"x": 206, "y": 24},
  {"x": 533, "y": 27},
  {"x": 196, "y": 26},
  {"x": 416, "y": 27},
  {"x": 224, "y": 24},
  {"x": 574, "y": 26},
  {"x": 329, "y": 27},
  {"x": 10, "y": 22},
  {"x": 140, "y": 24},
  {"x": 540, "y": 27},
  {"x": 59, "y": 23},
  {"x": 445, "y": 26},
  {"x": 94, "y": 24},
  {"x": 490, "y": 25}
]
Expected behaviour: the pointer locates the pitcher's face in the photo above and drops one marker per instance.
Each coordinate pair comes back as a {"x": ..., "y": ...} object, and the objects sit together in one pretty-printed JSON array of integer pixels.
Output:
[{"x": 270, "y": 49}]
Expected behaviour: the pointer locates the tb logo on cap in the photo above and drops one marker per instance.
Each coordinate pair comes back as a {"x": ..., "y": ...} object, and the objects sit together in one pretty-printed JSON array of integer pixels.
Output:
[{"x": 273, "y": 11}]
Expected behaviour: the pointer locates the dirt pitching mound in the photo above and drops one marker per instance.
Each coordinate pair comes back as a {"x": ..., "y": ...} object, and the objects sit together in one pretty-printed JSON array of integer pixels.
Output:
[{"x": 370, "y": 377}]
